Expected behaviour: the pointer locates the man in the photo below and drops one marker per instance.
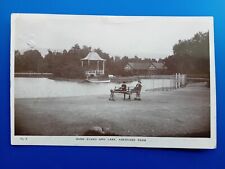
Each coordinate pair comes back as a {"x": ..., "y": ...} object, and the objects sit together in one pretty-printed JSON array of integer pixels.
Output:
[{"x": 138, "y": 90}]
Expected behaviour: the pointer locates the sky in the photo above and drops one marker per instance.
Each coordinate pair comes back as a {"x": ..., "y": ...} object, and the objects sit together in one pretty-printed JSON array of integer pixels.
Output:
[{"x": 142, "y": 36}]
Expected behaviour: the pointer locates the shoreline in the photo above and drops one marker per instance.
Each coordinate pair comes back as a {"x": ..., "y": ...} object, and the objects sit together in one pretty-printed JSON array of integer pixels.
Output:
[{"x": 120, "y": 79}]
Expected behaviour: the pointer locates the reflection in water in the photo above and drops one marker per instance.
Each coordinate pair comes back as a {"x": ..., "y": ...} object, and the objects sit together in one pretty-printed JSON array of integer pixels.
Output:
[{"x": 43, "y": 87}]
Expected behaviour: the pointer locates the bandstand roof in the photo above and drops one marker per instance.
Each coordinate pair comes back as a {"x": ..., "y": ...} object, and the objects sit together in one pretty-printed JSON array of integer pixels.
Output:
[{"x": 93, "y": 56}]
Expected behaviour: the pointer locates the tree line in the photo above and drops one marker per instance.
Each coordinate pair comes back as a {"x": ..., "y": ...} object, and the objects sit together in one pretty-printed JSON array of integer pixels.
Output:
[{"x": 190, "y": 56}]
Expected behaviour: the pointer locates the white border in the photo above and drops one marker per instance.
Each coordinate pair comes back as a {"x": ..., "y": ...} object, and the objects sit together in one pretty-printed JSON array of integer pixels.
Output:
[{"x": 115, "y": 141}]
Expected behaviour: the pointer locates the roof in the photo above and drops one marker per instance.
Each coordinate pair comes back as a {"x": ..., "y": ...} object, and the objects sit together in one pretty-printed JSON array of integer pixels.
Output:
[
  {"x": 145, "y": 66},
  {"x": 139, "y": 66},
  {"x": 92, "y": 56},
  {"x": 158, "y": 65}
]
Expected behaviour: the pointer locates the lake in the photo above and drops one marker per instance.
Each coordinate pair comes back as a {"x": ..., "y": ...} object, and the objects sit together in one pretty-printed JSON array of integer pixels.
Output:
[{"x": 44, "y": 87}]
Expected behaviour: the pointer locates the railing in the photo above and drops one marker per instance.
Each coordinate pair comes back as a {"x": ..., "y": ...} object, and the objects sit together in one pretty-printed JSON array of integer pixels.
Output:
[{"x": 96, "y": 72}]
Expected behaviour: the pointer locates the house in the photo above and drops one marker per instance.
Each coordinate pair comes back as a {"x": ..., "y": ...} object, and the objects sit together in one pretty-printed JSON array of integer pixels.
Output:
[{"x": 145, "y": 67}]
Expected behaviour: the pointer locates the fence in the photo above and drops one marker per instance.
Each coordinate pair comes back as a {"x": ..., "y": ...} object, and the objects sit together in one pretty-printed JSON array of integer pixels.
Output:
[
  {"x": 157, "y": 82},
  {"x": 166, "y": 82}
]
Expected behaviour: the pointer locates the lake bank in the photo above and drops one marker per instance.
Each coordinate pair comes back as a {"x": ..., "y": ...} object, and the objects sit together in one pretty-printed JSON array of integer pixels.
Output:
[
  {"x": 117, "y": 79},
  {"x": 179, "y": 113}
]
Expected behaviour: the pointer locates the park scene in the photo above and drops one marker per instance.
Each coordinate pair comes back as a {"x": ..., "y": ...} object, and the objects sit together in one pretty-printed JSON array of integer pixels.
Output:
[{"x": 105, "y": 82}]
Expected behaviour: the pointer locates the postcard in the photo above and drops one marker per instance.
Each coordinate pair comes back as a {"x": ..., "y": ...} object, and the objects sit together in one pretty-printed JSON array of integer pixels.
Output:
[{"x": 121, "y": 81}]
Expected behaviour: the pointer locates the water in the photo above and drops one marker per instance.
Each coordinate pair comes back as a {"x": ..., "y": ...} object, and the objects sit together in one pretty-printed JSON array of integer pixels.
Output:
[{"x": 44, "y": 87}]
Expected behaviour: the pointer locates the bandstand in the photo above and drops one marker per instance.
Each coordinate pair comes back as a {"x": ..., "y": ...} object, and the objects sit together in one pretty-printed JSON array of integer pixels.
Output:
[{"x": 93, "y": 65}]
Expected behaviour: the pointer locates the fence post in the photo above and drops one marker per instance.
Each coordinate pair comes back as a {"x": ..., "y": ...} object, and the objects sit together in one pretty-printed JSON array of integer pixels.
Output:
[
  {"x": 171, "y": 82},
  {"x": 179, "y": 80},
  {"x": 176, "y": 81},
  {"x": 153, "y": 85}
]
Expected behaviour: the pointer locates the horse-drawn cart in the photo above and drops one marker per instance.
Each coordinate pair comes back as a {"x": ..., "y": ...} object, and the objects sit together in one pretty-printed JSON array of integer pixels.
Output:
[{"x": 126, "y": 91}]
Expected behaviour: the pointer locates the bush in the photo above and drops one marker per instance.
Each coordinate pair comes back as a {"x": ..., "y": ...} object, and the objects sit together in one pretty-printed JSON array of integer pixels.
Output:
[{"x": 69, "y": 71}]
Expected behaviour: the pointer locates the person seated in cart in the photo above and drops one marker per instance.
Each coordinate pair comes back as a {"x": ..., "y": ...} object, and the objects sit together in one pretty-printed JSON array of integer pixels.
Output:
[
  {"x": 122, "y": 89},
  {"x": 123, "y": 86}
]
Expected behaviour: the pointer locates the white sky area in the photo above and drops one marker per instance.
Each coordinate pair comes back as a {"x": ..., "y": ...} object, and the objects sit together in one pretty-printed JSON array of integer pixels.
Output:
[{"x": 146, "y": 37}]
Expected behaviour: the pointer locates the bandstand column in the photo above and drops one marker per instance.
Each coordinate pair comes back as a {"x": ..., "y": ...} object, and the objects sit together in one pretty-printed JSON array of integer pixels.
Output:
[
  {"x": 103, "y": 67},
  {"x": 98, "y": 65}
]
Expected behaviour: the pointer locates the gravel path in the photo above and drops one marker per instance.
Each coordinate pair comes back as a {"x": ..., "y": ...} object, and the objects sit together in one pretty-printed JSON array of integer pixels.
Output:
[{"x": 183, "y": 112}]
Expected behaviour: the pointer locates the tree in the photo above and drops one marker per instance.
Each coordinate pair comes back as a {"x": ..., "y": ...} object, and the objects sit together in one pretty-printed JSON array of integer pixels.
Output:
[
  {"x": 190, "y": 56},
  {"x": 29, "y": 61}
]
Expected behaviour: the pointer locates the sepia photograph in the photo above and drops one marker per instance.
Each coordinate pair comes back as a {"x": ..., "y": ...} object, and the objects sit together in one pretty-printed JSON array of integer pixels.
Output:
[{"x": 130, "y": 81}]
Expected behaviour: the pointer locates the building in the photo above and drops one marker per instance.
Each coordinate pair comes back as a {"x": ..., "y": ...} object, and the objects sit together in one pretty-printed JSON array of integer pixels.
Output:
[
  {"x": 145, "y": 68},
  {"x": 93, "y": 64}
]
